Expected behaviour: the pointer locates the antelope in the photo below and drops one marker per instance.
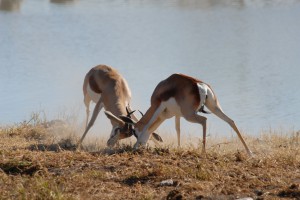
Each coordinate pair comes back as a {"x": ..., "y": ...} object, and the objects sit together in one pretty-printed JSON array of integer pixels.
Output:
[
  {"x": 181, "y": 96},
  {"x": 107, "y": 88}
]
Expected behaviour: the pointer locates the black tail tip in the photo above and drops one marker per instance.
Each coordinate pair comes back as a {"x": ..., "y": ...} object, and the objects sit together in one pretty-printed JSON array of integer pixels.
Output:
[{"x": 204, "y": 111}]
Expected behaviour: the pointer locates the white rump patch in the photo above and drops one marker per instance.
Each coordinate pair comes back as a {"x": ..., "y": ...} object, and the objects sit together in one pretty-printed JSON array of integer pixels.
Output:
[
  {"x": 203, "y": 88},
  {"x": 93, "y": 95}
]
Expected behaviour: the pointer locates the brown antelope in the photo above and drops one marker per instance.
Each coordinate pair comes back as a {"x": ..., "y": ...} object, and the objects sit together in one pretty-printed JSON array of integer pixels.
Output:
[
  {"x": 180, "y": 96},
  {"x": 107, "y": 88}
]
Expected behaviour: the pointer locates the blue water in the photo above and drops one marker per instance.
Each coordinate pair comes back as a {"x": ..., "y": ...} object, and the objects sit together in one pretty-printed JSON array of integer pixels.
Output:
[{"x": 249, "y": 51}]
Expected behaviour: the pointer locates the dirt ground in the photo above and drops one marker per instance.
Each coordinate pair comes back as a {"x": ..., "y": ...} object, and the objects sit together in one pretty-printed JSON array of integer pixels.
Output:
[{"x": 36, "y": 165}]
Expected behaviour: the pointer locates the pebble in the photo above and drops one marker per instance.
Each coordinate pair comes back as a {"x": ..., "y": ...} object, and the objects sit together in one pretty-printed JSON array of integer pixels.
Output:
[{"x": 168, "y": 182}]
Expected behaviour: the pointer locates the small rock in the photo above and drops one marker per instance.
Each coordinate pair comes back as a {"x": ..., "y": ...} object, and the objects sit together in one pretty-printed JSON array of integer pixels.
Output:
[{"x": 168, "y": 182}]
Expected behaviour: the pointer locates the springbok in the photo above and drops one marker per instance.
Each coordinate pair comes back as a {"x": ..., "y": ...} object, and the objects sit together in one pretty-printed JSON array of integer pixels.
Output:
[
  {"x": 107, "y": 88},
  {"x": 181, "y": 96}
]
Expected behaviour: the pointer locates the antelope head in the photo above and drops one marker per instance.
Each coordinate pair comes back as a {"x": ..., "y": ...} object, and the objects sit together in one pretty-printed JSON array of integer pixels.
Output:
[{"x": 125, "y": 128}]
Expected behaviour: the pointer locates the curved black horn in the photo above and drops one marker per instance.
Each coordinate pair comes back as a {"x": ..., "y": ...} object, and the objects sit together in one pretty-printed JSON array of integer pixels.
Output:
[
  {"x": 126, "y": 119},
  {"x": 129, "y": 113},
  {"x": 141, "y": 112},
  {"x": 127, "y": 110}
]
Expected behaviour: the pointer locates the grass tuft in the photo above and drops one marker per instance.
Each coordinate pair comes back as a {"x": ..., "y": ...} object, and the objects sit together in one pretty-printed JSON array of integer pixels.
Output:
[{"x": 15, "y": 167}]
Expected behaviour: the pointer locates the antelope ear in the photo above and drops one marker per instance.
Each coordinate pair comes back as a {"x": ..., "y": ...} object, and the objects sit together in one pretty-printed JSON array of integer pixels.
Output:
[
  {"x": 157, "y": 137},
  {"x": 112, "y": 117},
  {"x": 127, "y": 119}
]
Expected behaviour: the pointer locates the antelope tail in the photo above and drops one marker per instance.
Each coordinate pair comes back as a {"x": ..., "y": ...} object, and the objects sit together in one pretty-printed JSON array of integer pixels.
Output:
[{"x": 204, "y": 111}]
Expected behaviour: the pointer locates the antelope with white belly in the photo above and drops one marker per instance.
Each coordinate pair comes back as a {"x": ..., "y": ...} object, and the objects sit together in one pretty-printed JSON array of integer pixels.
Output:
[{"x": 180, "y": 96}]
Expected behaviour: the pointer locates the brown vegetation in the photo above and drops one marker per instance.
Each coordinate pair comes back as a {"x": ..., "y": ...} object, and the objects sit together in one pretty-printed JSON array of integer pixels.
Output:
[{"x": 36, "y": 165}]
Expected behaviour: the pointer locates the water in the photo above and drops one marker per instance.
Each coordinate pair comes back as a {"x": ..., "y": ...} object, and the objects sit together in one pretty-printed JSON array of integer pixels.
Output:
[{"x": 248, "y": 50}]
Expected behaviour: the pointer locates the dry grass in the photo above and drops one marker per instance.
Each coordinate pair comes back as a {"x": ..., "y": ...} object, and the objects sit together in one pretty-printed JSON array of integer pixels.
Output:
[{"x": 37, "y": 164}]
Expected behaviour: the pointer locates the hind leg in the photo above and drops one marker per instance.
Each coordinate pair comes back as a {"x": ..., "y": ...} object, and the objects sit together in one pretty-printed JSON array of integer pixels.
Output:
[
  {"x": 213, "y": 105},
  {"x": 200, "y": 120}
]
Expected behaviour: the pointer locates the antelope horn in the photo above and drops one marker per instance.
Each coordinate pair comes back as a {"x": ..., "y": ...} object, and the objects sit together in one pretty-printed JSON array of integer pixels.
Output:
[
  {"x": 141, "y": 112},
  {"x": 129, "y": 113},
  {"x": 127, "y": 119}
]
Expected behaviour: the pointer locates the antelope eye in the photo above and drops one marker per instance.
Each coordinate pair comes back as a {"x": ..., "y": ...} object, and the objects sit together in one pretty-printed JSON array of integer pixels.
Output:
[{"x": 116, "y": 131}]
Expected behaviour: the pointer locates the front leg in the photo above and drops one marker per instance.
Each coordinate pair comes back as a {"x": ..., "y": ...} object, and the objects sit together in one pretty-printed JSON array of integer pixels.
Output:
[
  {"x": 142, "y": 140},
  {"x": 144, "y": 134}
]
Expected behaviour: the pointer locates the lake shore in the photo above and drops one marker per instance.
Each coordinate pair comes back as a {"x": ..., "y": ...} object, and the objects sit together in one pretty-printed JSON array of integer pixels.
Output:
[{"x": 36, "y": 164}]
